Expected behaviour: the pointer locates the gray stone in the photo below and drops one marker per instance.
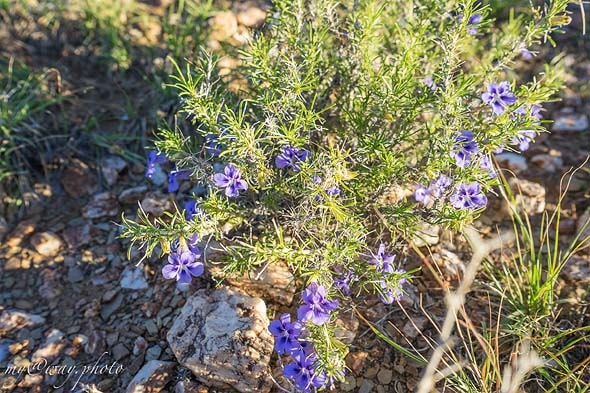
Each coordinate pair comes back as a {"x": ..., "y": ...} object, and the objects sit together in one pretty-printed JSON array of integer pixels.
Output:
[
  {"x": 528, "y": 195},
  {"x": 415, "y": 327},
  {"x": 222, "y": 337},
  {"x": 515, "y": 162},
  {"x": 78, "y": 180},
  {"x": 159, "y": 178},
  {"x": 156, "y": 203},
  {"x": 385, "y": 376},
  {"x": 46, "y": 243},
  {"x": 132, "y": 195},
  {"x": 140, "y": 346},
  {"x": 153, "y": 353},
  {"x": 75, "y": 274},
  {"x": 109, "y": 308},
  {"x": 103, "y": 204},
  {"x": 152, "y": 377},
  {"x": 110, "y": 167},
  {"x": 547, "y": 162},
  {"x": 366, "y": 386},
  {"x": 14, "y": 320},
  {"x": 120, "y": 351},
  {"x": 570, "y": 122},
  {"x": 583, "y": 224},
  {"x": 133, "y": 278},
  {"x": 349, "y": 383},
  {"x": 3, "y": 227},
  {"x": 577, "y": 271},
  {"x": 151, "y": 327}
]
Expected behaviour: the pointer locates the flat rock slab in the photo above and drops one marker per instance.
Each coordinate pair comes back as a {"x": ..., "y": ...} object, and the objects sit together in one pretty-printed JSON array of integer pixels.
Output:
[
  {"x": 152, "y": 377},
  {"x": 222, "y": 336}
]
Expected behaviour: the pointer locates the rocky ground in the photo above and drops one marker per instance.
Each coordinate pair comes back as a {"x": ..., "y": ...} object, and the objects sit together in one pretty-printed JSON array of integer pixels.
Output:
[{"x": 70, "y": 296}]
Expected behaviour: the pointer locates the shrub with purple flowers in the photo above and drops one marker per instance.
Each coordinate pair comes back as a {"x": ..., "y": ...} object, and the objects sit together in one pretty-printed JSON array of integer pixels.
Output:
[{"x": 341, "y": 103}]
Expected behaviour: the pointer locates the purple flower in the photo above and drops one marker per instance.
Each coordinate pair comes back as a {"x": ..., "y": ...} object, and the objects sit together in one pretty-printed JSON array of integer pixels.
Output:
[
  {"x": 486, "y": 164},
  {"x": 193, "y": 210},
  {"x": 437, "y": 187},
  {"x": 498, "y": 150},
  {"x": 525, "y": 53},
  {"x": 440, "y": 185},
  {"x": 464, "y": 148},
  {"x": 383, "y": 262},
  {"x": 388, "y": 294},
  {"x": 230, "y": 180},
  {"x": 345, "y": 281},
  {"x": 154, "y": 158},
  {"x": 302, "y": 371},
  {"x": 524, "y": 139},
  {"x": 498, "y": 96},
  {"x": 212, "y": 145},
  {"x": 316, "y": 308},
  {"x": 536, "y": 111},
  {"x": 286, "y": 334},
  {"x": 183, "y": 265},
  {"x": 424, "y": 195},
  {"x": 472, "y": 21},
  {"x": 291, "y": 157},
  {"x": 468, "y": 196},
  {"x": 429, "y": 82},
  {"x": 173, "y": 178},
  {"x": 333, "y": 191}
]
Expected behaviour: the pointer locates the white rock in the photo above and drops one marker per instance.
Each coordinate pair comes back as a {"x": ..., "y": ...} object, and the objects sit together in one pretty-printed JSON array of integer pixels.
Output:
[
  {"x": 222, "y": 337},
  {"x": 426, "y": 235},
  {"x": 133, "y": 278},
  {"x": 11, "y": 320},
  {"x": 51, "y": 348},
  {"x": 152, "y": 377},
  {"x": 514, "y": 162},
  {"x": 46, "y": 243}
]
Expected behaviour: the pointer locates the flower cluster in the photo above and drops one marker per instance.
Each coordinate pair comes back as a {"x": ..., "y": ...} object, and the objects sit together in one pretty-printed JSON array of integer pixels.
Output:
[
  {"x": 468, "y": 196},
  {"x": 472, "y": 23},
  {"x": 465, "y": 148},
  {"x": 316, "y": 308},
  {"x": 383, "y": 263},
  {"x": 435, "y": 190},
  {"x": 183, "y": 262},
  {"x": 292, "y": 157},
  {"x": 344, "y": 282},
  {"x": 291, "y": 338}
]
